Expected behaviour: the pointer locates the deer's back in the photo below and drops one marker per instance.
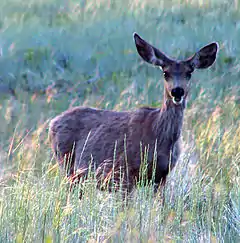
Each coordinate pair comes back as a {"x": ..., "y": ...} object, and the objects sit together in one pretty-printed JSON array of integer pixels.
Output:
[{"x": 101, "y": 134}]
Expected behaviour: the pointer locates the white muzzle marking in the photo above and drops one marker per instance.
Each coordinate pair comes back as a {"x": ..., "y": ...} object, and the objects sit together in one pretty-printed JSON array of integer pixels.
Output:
[{"x": 177, "y": 102}]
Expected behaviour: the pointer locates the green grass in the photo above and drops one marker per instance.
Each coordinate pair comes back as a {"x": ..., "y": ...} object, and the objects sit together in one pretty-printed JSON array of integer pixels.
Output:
[{"x": 58, "y": 54}]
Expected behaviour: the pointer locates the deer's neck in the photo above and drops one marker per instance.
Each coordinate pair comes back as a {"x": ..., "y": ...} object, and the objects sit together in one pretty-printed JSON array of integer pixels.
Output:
[{"x": 169, "y": 123}]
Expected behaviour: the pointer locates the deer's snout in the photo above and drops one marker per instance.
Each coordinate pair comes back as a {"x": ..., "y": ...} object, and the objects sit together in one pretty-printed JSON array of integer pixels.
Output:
[{"x": 177, "y": 94}]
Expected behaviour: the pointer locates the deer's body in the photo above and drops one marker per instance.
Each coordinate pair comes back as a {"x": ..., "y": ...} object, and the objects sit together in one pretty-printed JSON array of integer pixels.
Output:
[
  {"x": 99, "y": 135},
  {"x": 108, "y": 139}
]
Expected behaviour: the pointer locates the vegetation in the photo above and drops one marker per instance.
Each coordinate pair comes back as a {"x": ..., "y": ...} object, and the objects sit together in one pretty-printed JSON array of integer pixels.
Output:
[{"x": 57, "y": 54}]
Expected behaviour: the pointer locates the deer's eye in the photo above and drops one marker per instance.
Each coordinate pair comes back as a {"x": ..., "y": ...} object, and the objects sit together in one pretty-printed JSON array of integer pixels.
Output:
[{"x": 166, "y": 75}]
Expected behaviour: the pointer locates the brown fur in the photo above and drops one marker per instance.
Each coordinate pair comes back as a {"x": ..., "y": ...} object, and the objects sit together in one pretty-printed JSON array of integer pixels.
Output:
[
  {"x": 113, "y": 143},
  {"x": 119, "y": 131}
]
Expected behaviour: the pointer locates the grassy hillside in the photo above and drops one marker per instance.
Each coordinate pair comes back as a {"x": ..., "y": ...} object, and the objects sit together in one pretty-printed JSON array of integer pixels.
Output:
[{"x": 56, "y": 54}]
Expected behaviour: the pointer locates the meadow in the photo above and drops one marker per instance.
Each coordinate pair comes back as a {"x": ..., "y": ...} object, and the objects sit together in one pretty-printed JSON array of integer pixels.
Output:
[{"x": 57, "y": 54}]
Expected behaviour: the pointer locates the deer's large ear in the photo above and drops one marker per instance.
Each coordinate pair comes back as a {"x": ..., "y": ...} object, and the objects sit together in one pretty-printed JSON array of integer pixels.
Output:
[
  {"x": 149, "y": 53},
  {"x": 205, "y": 57}
]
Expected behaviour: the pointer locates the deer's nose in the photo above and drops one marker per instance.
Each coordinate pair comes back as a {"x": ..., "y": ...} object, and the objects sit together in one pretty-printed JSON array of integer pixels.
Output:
[{"x": 177, "y": 92}]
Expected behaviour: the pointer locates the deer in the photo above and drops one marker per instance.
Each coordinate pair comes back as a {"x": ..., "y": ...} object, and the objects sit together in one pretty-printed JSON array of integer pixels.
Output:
[{"x": 112, "y": 143}]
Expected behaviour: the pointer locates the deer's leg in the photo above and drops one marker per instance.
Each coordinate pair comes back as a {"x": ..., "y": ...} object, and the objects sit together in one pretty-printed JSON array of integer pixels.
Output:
[
  {"x": 80, "y": 169},
  {"x": 161, "y": 169},
  {"x": 115, "y": 176},
  {"x": 175, "y": 154},
  {"x": 160, "y": 188},
  {"x": 65, "y": 158},
  {"x": 63, "y": 147},
  {"x": 161, "y": 172}
]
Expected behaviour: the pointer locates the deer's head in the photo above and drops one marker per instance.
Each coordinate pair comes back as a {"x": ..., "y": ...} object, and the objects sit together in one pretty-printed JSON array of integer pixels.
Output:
[{"x": 177, "y": 74}]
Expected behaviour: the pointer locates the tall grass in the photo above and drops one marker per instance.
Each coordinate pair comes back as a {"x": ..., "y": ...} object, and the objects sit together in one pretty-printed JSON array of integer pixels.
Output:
[{"x": 59, "y": 54}]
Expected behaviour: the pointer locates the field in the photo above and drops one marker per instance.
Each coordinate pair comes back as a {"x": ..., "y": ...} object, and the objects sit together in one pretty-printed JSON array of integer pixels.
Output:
[{"x": 57, "y": 54}]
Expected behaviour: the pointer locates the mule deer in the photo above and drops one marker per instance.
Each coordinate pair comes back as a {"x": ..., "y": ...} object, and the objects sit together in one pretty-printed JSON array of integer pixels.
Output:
[{"x": 109, "y": 141}]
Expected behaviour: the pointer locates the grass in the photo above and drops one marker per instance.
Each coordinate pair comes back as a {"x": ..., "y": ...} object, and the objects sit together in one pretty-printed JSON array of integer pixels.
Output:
[{"x": 58, "y": 54}]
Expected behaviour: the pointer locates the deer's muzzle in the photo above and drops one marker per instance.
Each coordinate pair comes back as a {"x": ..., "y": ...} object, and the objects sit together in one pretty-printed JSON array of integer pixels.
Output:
[{"x": 177, "y": 95}]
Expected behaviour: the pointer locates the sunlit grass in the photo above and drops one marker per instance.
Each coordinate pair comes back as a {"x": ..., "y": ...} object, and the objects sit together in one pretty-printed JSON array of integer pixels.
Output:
[{"x": 197, "y": 207}]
